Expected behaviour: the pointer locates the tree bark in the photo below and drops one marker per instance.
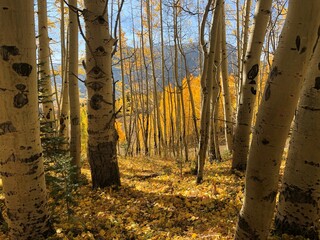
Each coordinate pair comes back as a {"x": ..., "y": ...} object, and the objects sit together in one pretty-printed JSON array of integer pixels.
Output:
[
  {"x": 274, "y": 117},
  {"x": 21, "y": 159},
  {"x": 75, "y": 133},
  {"x": 44, "y": 65},
  {"x": 207, "y": 79},
  {"x": 249, "y": 89},
  {"x": 299, "y": 206},
  {"x": 227, "y": 106},
  {"x": 102, "y": 136}
]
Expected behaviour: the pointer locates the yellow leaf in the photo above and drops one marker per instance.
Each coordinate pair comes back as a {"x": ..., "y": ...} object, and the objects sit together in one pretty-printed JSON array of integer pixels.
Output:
[
  {"x": 102, "y": 232},
  {"x": 194, "y": 235}
]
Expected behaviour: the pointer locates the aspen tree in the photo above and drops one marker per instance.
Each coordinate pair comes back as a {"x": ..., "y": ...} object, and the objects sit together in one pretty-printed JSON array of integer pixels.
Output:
[
  {"x": 102, "y": 136},
  {"x": 178, "y": 87},
  {"x": 193, "y": 108},
  {"x": 157, "y": 125},
  {"x": 21, "y": 159},
  {"x": 245, "y": 35},
  {"x": 146, "y": 113},
  {"x": 164, "y": 106},
  {"x": 64, "y": 117},
  {"x": 44, "y": 64},
  {"x": 299, "y": 206},
  {"x": 207, "y": 81},
  {"x": 214, "y": 150},
  {"x": 227, "y": 107},
  {"x": 249, "y": 89},
  {"x": 123, "y": 91},
  {"x": 274, "y": 117},
  {"x": 73, "y": 65}
]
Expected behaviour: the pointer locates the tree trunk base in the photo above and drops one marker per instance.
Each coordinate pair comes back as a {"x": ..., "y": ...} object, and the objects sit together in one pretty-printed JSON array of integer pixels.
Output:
[{"x": 104, "y": 165}]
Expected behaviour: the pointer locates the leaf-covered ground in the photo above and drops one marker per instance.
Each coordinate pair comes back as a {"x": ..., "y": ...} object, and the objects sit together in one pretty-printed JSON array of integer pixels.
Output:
[{"x": 155, "y": 202}]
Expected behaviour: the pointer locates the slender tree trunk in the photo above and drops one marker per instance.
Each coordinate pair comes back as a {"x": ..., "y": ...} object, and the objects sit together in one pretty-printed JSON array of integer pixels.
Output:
[
  {"x": 157, "y": 127},
  {"x": 207, "y": 81},
  {"x": 64, "y": 118},
  {"x": 102, "y": 136},
  {"x": 75, "y": 139},
  {"x": 299, "y": 205},
  {"x": 21, "y": 159},
  {"x": 249, "y": 90},
  {"x": 44, "y": 68},
  {"x": 245, "y": 36},
  {"x": 178, "y": 87},
  {"x": 274, "y": 117},
  {"x": 123, "y": 90},
  {"x": 147, "y": 113},
  {"x": 238, "y": 34},
  {"x": 164, "y": 105},
  {"x": 227, "y": 107}
]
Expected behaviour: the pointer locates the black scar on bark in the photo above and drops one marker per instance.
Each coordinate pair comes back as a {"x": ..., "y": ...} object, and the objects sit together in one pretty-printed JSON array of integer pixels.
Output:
[
  {"x": 253, "y": 72},
  {"x": 317, "y": 83},
  {"x": 270, "y": 197},
  {"x": 49, "y": 113},
  {"x": 95, "y": 101},
  {"x": 244, "y": 225},
  {"x": 101, "y": 20},
  {"x": 20, "y": 100},
  {"x": 75, "y": 121},
  {"x": 298, "y": 42},
  {"x": 267, "y": 93},
  {"x": 253, "y": 91},
  {"x": 23, "y": 69},
  {"x": 312, "y": 163},
  {"x": 274, "y": 72},
  {"x": 96, "y": 86},
  {"x": 6, "y": 51},
  {"x": 32, "y": 158},
  {"x": 282, "y": 226},
  {"x": 100, "y": 51},
  {"x": 21, "y": 87},
  {"x": 295, "y": 194},
  {"x": 7, "y": 127},
  {"x": 265, "y": 142}
]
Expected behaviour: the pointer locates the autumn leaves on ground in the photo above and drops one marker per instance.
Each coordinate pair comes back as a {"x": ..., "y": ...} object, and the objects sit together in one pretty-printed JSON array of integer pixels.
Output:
[{"x": 155, "y": 202}]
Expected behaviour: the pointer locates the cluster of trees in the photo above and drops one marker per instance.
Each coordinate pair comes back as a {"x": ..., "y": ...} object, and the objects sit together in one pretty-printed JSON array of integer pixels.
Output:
[{"x": 161, "y": 106}]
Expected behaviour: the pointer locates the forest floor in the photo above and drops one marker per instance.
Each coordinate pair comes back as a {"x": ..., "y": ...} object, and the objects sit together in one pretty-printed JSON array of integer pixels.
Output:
[{"x": 157, "y": 200}]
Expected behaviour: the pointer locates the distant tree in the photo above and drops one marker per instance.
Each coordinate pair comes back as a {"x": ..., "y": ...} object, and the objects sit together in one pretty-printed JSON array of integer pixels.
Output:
[
  {"x": 274, "y": 117},
  {"x": 44, "y": 66},
  {"x": 21, "y": 159},
  {"x": 227, "y": 107},
  {"x": 102, "y": 136}
]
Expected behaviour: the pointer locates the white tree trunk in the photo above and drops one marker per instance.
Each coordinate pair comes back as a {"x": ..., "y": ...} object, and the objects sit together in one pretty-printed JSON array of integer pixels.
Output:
[
  {"x": 44, "y": 64},
  {"x": 299, "y": 205},
  {"x": 207, "y": 81},
  {"x": 274, "y": 117},
  {"x": 75, "y": 134},
  {"x": 102, "y": 135},
  {"x": 249, "y": 89},
  {"x": 227, "y": 107},
  {"x": 21, "y": 160}
]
